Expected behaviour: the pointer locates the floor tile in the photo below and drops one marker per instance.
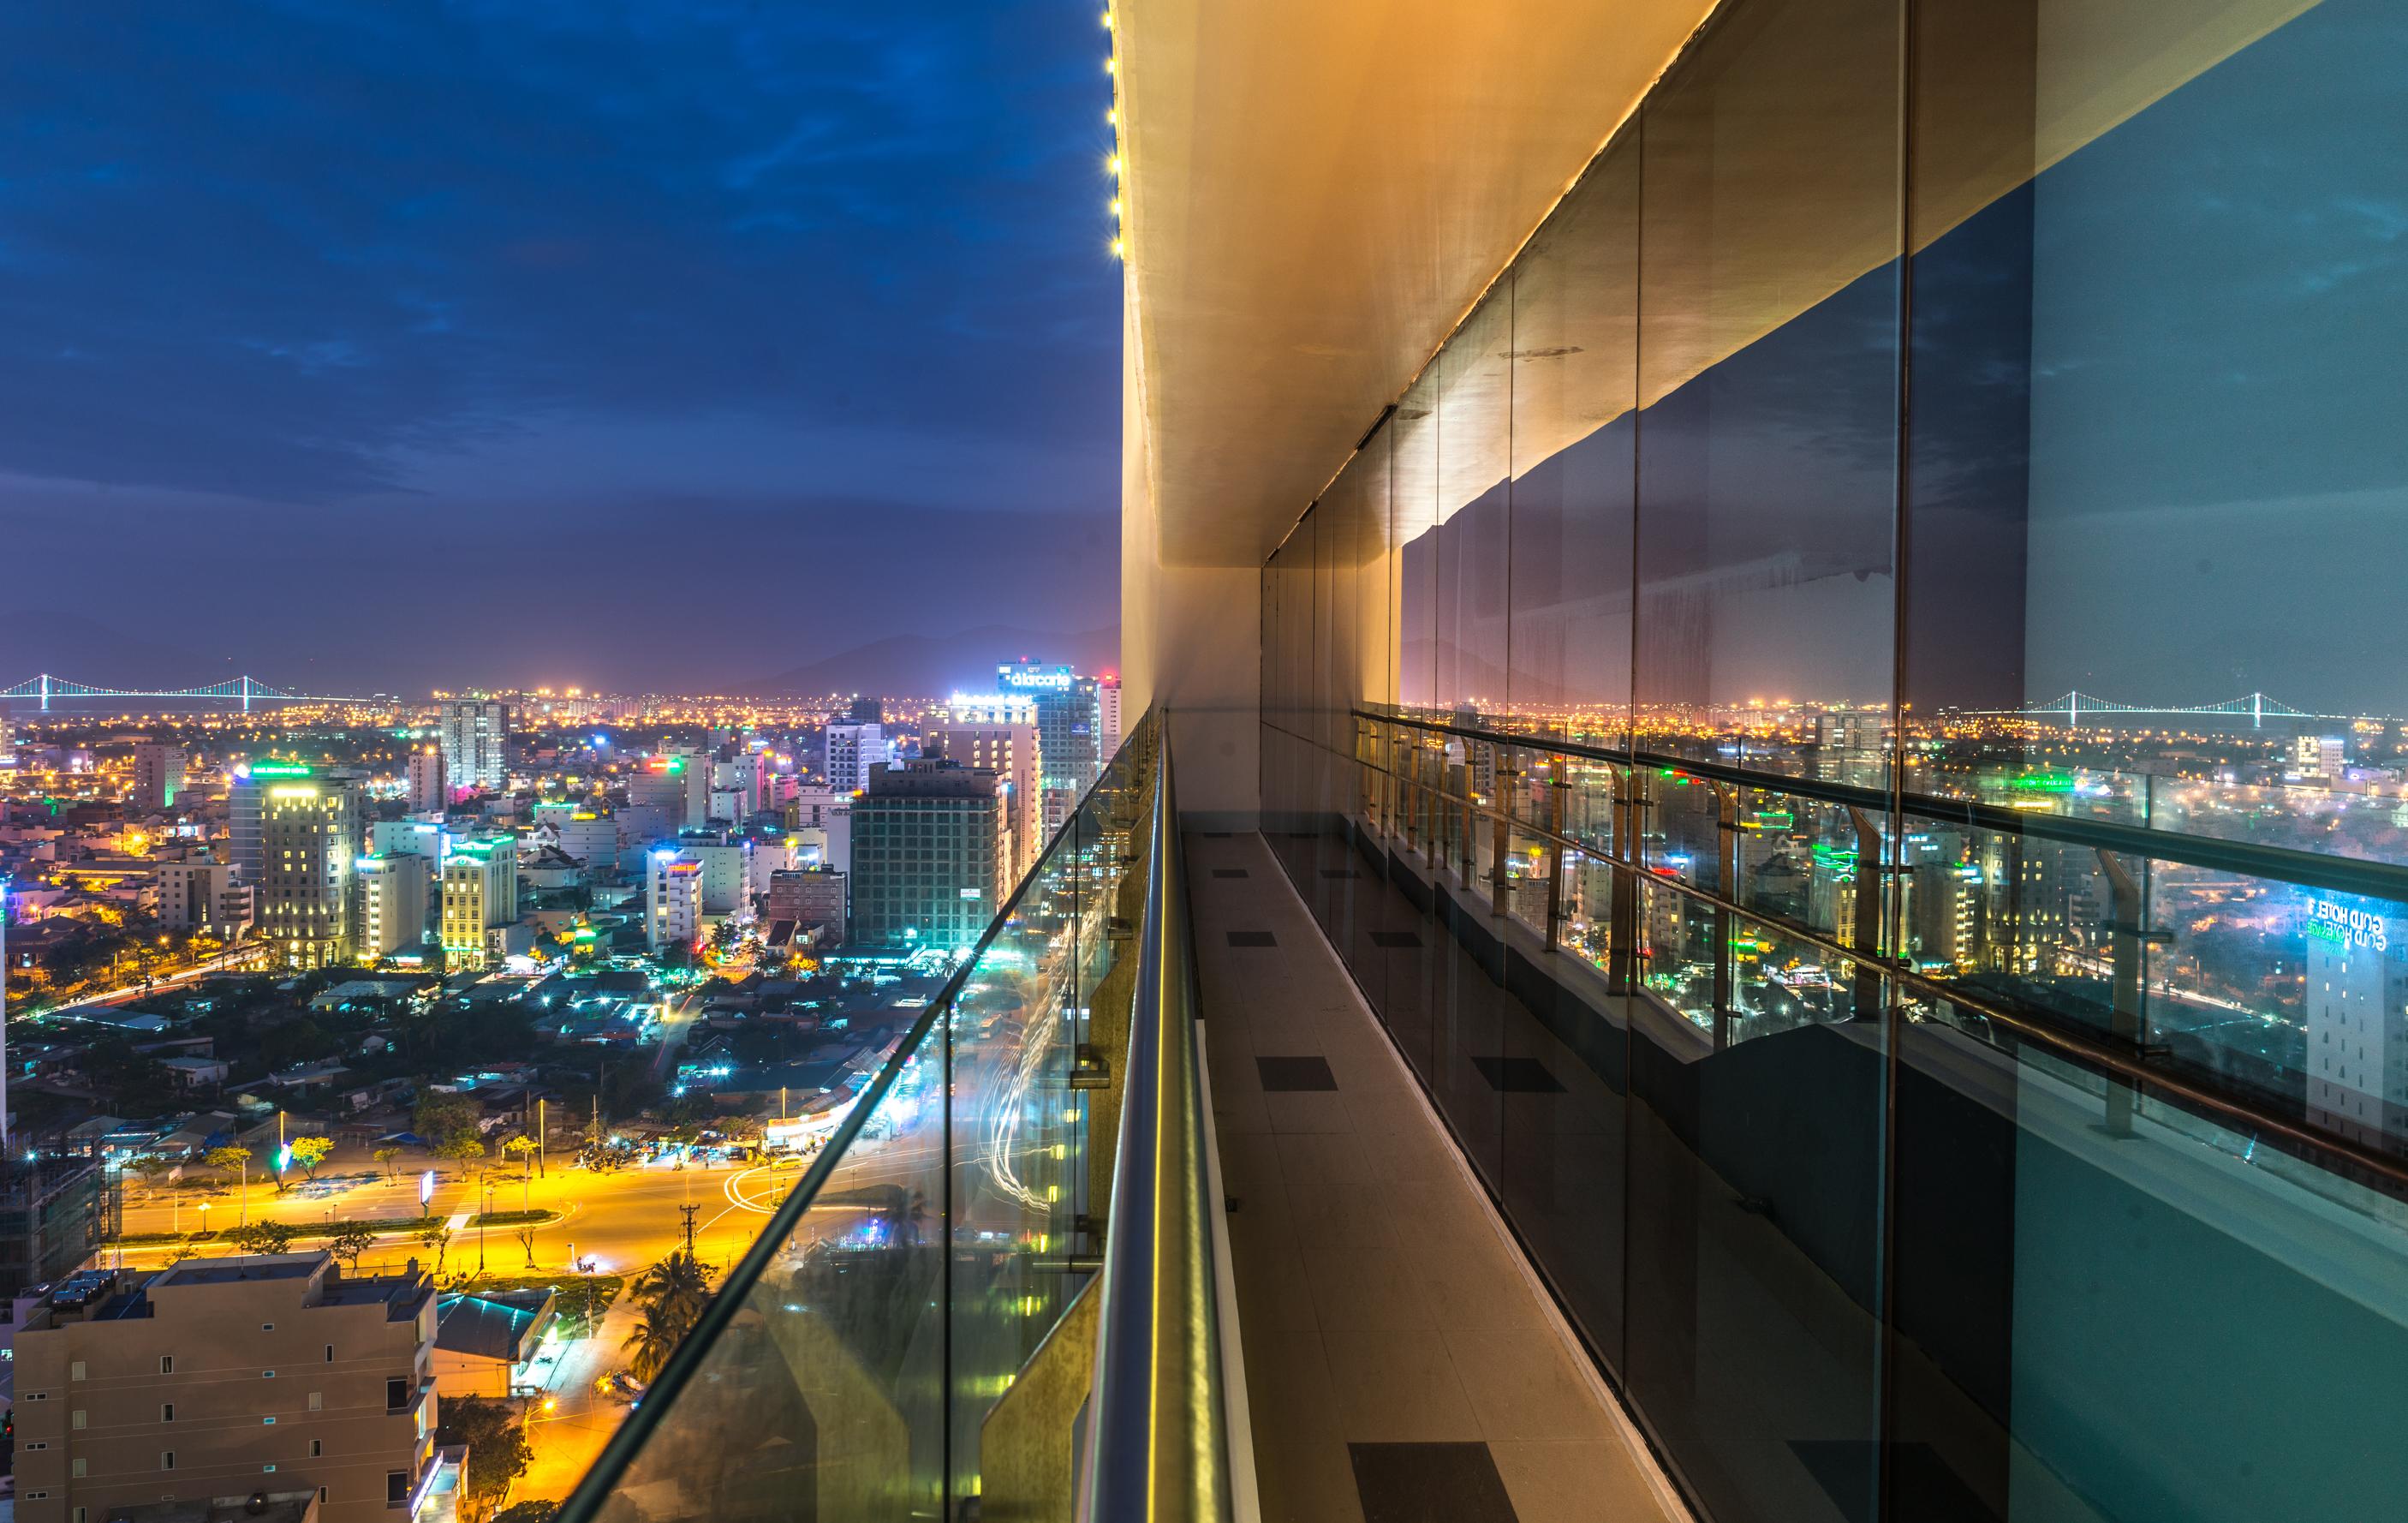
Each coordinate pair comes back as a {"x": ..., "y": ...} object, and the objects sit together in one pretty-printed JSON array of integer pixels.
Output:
[
  {"x": 1582, "y": 1481},
  {"x": 1396, "y": 1387},
  {"x": 1366, "y": 1288},
  {"x": 1430, "y": 1483},
  {"x": 1282, "y": 1076},
  {"x": 1333, "y": 1158},
  {"x": 1522, "y": 1385},
  {"x": 1252, "y": 938},
  {"x": 1343, "y": 1217},
  {"x": 1229, "y": 873}
]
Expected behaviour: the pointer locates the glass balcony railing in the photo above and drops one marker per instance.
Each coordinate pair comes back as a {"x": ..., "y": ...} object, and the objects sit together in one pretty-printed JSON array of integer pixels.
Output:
[
  {"x": 917, "y": 1331},
  {"x": 1881, "y": 1183}
]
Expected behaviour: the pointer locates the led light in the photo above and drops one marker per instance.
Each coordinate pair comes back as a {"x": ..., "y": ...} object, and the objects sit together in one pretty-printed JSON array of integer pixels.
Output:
[
  {"x": 1111, "y": 66},
  {"x": 1112, "y": 167},
  {"x": 1119, "y": 250}
]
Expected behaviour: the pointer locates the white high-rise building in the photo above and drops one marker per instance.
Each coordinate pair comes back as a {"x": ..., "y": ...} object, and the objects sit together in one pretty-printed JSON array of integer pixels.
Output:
[
  {"x": 193, "y": 895},
  {"x": 854, "y": 751},
  {"x": 829, "y": 811},
  {"x": 1009, "y": 751},
  {"x": 393, "y": 904},
  {"x": 672, "y": 900},
  {"x": 726, "y": 876},
  {"x": 1108, "y": 707},
  {"x": 428, "y": 791},
  {"x": 158, "y": 777},
  {"x": 476, "y": 735},
  {"x": 2357, "y": 1009}
]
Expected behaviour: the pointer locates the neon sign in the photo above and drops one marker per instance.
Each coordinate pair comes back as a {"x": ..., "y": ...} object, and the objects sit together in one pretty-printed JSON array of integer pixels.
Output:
[{"x": 2345, "y": 927}]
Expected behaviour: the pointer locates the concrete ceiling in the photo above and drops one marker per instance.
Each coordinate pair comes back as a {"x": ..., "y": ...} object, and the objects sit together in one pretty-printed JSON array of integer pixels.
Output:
[{"x": 1316, "y": 193}]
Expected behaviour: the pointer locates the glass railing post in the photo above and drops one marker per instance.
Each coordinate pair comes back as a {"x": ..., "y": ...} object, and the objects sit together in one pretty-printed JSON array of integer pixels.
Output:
[
  {"x": 1556, "y": 823},
  {"x": 1500, "y": 839},
  {"x": 2125, "y": 934},
  {"x": 1622, "y": 931},
  {"x": 1726, "y": 872}
]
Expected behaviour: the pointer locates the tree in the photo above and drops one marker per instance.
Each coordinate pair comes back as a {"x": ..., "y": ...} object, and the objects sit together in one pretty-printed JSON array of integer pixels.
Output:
[
  {"x": 384, "y": 1156},
  {"x": 498, "y": 1450},
  {"x": 224, "y": 1158},
  {"x": 526, "y": 1240},
  {"x": 352, "y": 1241},
  {"x": 523, "y": 1148},
  {"x": 677, "y": 1289},
  {"x": 262, "y": 1236},
  {"x": 440, "y": 1117},
  {"x": 437, "y": 1237},
  {"x": 309, "y": 1152},
  {"x": 649, "y": 1346},
  {"x": 154, "y": 1169},
  {"x": 460, "y": 1147}
]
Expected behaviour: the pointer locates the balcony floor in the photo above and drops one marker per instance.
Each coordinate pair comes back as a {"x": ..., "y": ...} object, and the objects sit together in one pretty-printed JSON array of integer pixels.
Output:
[{"x": 1401, "y": 1361}]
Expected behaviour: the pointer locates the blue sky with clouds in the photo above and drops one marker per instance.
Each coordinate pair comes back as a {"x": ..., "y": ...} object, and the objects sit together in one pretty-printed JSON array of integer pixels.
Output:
[{"x": 470, "y": 342}]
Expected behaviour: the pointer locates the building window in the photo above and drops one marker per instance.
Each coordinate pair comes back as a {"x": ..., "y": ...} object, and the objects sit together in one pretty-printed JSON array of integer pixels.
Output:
[
  {"x": 75, "y": 1370},
  {"x": 77, "y": 1420},
  {"x": 330, "y": 1353},
  {"x": 397, "y": 1486},
  {"x": 166, "y": 1459},
  {"x": 396, "y": 1395},
  {"x": 166, "y": 1365},
  {"x": 317, "y": 1447},
  {"x": 317, "y": 1401},
  {"x": 267, "y": 1374},
  {"x": 166, "y": 1412},
  {"x": 43, "y": 1445}
]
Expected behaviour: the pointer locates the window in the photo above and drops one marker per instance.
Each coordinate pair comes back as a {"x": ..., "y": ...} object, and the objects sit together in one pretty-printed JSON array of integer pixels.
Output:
[
  {"x": 166, "y": 1365},
  {"x": 166, "y": 1412},
  {"x": 396, "y": 1395},
  {"x": 267, "y": 1469},
  {"x": 397, "y": 1486},
  {"x": 267, "y": 1422},
  {"x": 41, "y": 1444},
  {"x": 267, "y": 1374},
  {"x": 76, "y": 1420},
  {"x": 166, "y": 1459},
  {"x": 38, "y": 1396},
  {"x": 317, "y": 1401},
  {"x": 267, "y": 1327},
  {"x": 75, "y": 1370},
  {"x": 330, "y": 1353},
  {"x": 317, "y": 1448}
]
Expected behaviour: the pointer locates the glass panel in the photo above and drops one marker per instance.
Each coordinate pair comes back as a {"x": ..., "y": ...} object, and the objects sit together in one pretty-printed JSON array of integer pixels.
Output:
[
  {"x": 1412, "y": 499},
  {"x": 1474, "y": 457},
  {"x": 1756, "y": 1191},
  {"x": 1574, "y": 377},
  {"x": 826, "y": 1396},
  {"x": 1768, "y": 318},
  {"x": 2066, "y": 1279}
]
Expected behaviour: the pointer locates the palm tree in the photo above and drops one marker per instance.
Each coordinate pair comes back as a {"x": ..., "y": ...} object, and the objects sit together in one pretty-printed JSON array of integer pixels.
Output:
[
  {"x": 651, "y": 1344},
  {"x": 675, "y": 1290}
]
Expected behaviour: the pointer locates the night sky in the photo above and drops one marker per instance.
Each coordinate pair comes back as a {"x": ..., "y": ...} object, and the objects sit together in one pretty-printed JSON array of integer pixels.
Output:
[{"x": 632, "y": 344}]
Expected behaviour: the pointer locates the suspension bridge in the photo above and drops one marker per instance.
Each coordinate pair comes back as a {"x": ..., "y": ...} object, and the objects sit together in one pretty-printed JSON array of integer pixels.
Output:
[
  {"x": 2255, "y": 707},
  {"x": 45, "y": 689}
]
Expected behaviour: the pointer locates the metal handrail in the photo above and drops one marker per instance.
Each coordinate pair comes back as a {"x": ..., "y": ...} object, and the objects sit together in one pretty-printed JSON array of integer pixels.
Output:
[
  {"x": 2124, "y": 1061},
  {"x": 1157, "y": 1440},
  {"x": 2284, "y": 863}
]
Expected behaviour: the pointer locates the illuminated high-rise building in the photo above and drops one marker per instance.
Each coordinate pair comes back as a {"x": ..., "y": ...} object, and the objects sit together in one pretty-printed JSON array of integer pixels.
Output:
[
  {"x": 393, "y": 903},
  {"x": 1070, "y": 734},
  {"x": 476, "y": 743},
  {"x": 158, "y": 777},
  {"x": 480, "y": 892},
  {"x": 310, "y": 842},
  {"x": 854, "y": 751},
  {"x": 1000, "y": 736},
  {"x": 427, "y": 789},
  {"x": 927, "y": 868},
  {"x": 2355, "y": 1006},
  {"x": 672, "y": 901}
]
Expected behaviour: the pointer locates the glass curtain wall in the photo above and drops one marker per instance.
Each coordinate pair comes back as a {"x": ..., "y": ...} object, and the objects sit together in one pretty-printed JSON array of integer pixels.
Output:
[{"x": 1850, "y": 727}]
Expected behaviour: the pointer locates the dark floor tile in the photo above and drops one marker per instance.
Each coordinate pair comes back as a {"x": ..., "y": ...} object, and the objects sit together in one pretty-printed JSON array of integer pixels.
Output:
[
  {"x": 1518, "y": 1075},
  {"x": 1340, "y": 872},
  {"x": 1926, "y": 1487},
  {"x": 1397, "y": 941},
  {"x": 1252, "y": 939},
  {"x": 1288, "y": 1073},
  {"x": 1430, "y": 1483},
  {"x": 1229, "y": 872}
]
